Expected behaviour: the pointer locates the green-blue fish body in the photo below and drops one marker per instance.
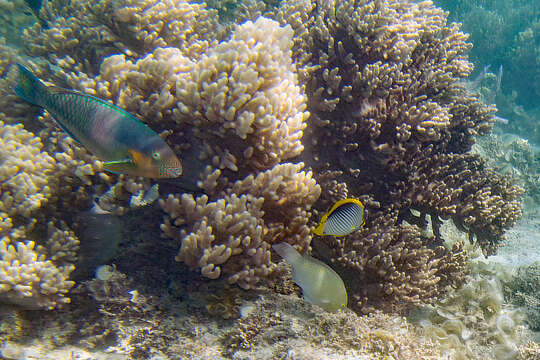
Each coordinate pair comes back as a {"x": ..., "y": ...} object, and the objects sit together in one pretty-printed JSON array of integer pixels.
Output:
[{"x": 106, "y": 130}]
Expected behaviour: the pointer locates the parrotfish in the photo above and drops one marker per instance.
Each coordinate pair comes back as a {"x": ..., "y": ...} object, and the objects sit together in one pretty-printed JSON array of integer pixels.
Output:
[
  {"x": 320, "y": 284},
  {"x": 343, "y": 218},
  {"x": 124, "y": 143}
]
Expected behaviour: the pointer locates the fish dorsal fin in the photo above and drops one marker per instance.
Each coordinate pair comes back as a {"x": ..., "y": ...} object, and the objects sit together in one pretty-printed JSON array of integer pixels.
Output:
[
  {"x": 55, "y": 90},
  {"x": 59, "y": 90},
  {"x": 319, "y": 262},
  {"x": 345, "y": 201}
]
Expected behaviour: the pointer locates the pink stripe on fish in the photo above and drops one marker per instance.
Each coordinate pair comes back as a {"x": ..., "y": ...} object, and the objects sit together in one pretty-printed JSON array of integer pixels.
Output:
[{"x": 104, "y": 126}]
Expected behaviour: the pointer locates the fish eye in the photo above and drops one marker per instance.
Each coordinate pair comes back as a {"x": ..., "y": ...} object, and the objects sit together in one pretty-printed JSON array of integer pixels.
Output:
[{"x": 156, "y": 155}]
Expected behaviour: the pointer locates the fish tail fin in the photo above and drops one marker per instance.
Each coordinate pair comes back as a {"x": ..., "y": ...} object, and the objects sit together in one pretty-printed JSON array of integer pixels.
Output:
[
  {"x": 319, "y": 230},
  {"x": 287, "y": 251},
  {"x": 29, "y": 87}
]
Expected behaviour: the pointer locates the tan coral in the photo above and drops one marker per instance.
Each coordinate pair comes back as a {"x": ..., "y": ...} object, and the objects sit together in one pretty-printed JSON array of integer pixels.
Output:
[
  {"x": 288, "y": 195},
  {"x": 62, "y": 244},
  {"x": 225, "y": 236},
  {"x": 145, "y": 87},
  {"x": 179, "y": 23},
  {"x": 28, "y": 278},
  {"x": 80, "y": 34},
  {"x": 232, "y": 90},
  {"x": 234, "y": 94},
  {"x": 26, "y": 174}
]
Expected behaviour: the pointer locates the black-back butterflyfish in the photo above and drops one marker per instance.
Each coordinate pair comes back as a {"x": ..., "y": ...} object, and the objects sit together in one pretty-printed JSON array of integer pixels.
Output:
[
  {"x": 320, "y": 284},
  {"x": 343, "y": 218},
  {"x": 116, "y": 137}
]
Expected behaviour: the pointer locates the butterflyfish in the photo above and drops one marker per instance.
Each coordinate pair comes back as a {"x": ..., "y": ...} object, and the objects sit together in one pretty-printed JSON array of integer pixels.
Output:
[
  {"x": 143, "y": 198},
  {"x": 343, "y": 218},
  {"x": 116, "y": 137},
  {"x": 320, "y": 284}
]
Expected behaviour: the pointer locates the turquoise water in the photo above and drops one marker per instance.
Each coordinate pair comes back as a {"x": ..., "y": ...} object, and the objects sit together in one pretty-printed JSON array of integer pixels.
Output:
[{"x": 276, "y": 110}]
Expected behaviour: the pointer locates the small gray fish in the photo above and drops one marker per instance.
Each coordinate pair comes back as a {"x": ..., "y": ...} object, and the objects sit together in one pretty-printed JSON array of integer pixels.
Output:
[
  {"x": 499, "y": 78},
  {"x": 476, "y": 82}
]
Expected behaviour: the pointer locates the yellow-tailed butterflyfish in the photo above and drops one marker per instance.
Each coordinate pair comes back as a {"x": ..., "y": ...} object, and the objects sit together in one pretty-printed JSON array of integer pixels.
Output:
[{"x": 343, "y": 218}]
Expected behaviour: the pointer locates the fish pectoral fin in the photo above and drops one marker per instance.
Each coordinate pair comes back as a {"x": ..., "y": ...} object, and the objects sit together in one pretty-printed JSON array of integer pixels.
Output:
[{"x": 119, "y": 166}]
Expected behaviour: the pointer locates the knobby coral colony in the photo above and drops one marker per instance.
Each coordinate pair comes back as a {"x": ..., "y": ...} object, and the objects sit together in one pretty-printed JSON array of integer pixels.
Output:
[{"x": 366, "y": 95}]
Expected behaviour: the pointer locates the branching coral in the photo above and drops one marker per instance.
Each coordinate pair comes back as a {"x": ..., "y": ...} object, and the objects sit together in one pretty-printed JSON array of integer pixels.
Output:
[
  {"x": 80, "y": 34},
  {"x": 233, "y": 93},
  {"x": 28, "y": 278},
  {"x": 238, "y": 93},
  {"x": 231, "y": 89},
  {"x": 389, "y": 111},
  {"x": 393, "y": 266},
  {"x": 230, "y": 227},
  {"x": 458, "y": 186},
  {"x": 33, "y": 275},
  {"x": 194, "y": 75},
  {"x": 236, "y": 231},
  {"x": 27, "y": 174},
  {"x": 45, "y": 180}
]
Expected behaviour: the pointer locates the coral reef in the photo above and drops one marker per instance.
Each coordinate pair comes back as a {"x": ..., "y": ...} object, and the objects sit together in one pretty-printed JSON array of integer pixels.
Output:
[
  {"x": 30, "y": 275},
  {"x": 366, "y": 98},
  {"x": 45, "y": 181},
  {"x": 115, "y": 316},
  {"x": 257, "y": 102},
  {"x": 398, "y": 265},
  {"x": 260, "y": 199},
  {"x": 390, "y": 117},
  {"x": 242, "y": 227},
  {"x": 27, "y": 177},
  {"x": 277, "y": 109},
  {"x": 80, "y": 34}
]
